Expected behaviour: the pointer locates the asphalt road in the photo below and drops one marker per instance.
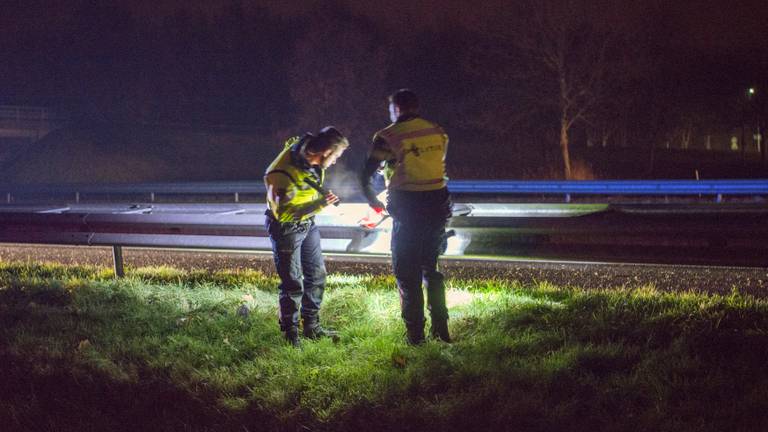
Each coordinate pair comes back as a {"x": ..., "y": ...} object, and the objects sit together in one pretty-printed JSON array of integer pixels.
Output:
[{"x": 595, "y": 275}]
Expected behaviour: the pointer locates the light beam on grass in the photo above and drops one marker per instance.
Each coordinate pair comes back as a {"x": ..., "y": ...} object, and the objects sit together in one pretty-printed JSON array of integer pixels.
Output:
[
  {"x": 454, "y": 298},
  {"x": 345, "y": 279}
]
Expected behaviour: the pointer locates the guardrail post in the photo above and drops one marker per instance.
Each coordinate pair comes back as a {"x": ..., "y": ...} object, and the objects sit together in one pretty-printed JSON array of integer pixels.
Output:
[
  {"x": 117, "y": 254},
  {"x": 719, "y": 198},
  {"x": 567, "y": 197},
  {"x": 151, "y": 197},
  {"x": 237, "y": 197},
  {"x": 8, "y": 198}
]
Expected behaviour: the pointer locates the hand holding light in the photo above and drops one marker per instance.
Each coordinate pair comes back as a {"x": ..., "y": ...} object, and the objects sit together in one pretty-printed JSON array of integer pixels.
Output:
[{"x": 331, "y": 198}]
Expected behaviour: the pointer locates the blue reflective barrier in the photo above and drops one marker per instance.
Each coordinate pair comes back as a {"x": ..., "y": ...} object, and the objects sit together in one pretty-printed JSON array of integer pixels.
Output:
[
  {"x": 499, "y": 187},
  {"x": 613, "y": 187}
]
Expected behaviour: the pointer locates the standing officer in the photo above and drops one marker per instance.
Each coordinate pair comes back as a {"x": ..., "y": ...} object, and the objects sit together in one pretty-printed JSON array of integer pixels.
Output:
[
  {"x": 411, "y": 151},
  {"x": 295, "y": 195}
]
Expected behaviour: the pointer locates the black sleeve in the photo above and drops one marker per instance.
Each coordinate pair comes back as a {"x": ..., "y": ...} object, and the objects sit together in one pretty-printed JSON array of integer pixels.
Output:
[{"x": 369, "y": 169}]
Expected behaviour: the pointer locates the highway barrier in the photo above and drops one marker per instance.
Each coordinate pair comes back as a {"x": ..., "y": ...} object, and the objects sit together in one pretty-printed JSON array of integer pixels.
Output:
[
  {"x": 725, "y": 233},
  {"x": 713, "y": 190}
]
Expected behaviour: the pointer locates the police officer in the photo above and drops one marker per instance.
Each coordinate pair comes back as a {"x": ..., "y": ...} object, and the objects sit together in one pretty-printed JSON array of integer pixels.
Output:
[
  {"x": 411, "y": 152},
  {"x": 295, "y": 194}
]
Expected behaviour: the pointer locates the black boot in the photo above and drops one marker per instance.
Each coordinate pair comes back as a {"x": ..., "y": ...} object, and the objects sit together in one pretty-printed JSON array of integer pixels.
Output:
[
  {"x": 439, "y": 330},
  {"x": 313, "y": 330},
  {"x": 292, "y": 336},
  {"x": 318, "y": 332}
]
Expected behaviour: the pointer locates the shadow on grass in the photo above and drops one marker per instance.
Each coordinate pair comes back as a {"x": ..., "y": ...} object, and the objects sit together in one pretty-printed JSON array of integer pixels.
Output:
[{"x": 66, "y": 397}]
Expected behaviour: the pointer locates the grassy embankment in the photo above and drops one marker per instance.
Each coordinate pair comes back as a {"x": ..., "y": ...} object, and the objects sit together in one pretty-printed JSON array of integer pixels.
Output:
[{"x": 166, "y": 350}]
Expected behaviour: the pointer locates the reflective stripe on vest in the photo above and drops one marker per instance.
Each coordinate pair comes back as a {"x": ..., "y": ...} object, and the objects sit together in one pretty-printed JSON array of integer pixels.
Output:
[
  {"x": 300, "y": 192},
  {"x": 419, "y": 147}
]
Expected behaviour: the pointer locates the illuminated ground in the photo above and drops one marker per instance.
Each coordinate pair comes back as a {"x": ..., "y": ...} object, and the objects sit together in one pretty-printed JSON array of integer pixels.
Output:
[
  {"x": 199, "y": 350},
  {"x": 753, "y": 281}
]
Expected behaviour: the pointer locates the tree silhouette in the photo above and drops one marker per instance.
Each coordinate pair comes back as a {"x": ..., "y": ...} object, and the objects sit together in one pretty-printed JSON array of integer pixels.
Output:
[
  {"x": 546, "y": 60},
  {"x": 571, "y": 52}
]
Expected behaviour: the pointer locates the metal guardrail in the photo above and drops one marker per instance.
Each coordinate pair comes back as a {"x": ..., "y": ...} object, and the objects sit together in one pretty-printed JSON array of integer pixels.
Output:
[
  {"x": 227, "y": 226},
  {"x": 714, "y": 188},
  {"x": 20, "y": 112},
  {"x": 719, "y": 229},
  {"x": 208, "y": 226}
]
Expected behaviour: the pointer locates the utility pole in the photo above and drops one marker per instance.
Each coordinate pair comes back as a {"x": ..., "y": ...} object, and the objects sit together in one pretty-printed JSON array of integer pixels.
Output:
[
  {"x": 746, "y": 115},
  {"x": 756, "y": 112}
]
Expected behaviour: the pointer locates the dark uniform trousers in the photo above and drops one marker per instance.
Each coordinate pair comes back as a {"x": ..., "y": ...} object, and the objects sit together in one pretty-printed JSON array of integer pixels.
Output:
[
  {"x": 419, "y": 221},
  {"x": 299, "y": 262}
]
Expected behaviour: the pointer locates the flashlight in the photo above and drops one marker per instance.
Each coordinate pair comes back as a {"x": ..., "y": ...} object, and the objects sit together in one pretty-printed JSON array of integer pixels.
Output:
[{"x": 316, "y": 186}]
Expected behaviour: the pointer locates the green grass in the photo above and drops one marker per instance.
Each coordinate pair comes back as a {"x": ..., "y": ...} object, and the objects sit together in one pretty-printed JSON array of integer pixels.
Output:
[{"x": 165, "y": 349}]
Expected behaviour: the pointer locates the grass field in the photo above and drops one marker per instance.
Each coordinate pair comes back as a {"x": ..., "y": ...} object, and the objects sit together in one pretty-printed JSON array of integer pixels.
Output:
[{"x": 165, "y": 349}]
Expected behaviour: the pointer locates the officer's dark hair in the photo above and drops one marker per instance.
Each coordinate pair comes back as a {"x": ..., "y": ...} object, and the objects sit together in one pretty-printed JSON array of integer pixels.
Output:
[
  {"x": 405, "y": 99},
  {"x": 328, "y": 138}
]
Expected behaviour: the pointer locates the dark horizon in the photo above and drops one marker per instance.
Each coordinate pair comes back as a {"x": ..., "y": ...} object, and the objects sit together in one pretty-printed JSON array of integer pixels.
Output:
[{"x": 639, "y": 75}]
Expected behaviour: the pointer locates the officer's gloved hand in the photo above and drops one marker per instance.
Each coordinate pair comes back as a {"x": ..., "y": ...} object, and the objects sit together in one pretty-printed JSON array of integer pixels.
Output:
[
  {"x": 378, "y": 207},
  {"x": 331, "y": 199}
]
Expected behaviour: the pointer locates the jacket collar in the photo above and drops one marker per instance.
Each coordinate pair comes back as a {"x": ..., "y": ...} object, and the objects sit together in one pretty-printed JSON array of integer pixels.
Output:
[
  {"x": 297, "y": 156},
  {"x": 406, "y": 117}
]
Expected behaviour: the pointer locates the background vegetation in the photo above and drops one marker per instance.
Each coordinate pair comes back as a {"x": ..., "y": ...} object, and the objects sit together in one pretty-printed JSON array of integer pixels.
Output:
[{"x": 545, "y": 89}]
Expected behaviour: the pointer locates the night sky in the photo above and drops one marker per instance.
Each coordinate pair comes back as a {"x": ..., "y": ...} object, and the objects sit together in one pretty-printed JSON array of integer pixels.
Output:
[
  {"x": 706, "y": 24},
  {"x": 282, "y": 67}
]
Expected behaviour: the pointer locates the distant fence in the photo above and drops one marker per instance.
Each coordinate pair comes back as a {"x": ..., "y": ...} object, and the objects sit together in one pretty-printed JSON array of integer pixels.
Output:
[
  {"x": 27, "y": 121},
  {"x": 714, "y": 189}
]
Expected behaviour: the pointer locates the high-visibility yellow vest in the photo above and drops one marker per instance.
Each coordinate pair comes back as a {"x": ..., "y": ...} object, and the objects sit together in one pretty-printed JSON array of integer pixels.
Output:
[
  {"x": 304, "y": 201},
  {"x": 415, "y": 152}
]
